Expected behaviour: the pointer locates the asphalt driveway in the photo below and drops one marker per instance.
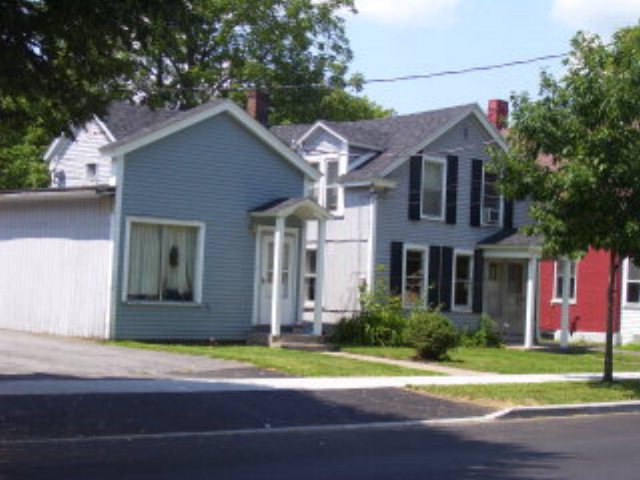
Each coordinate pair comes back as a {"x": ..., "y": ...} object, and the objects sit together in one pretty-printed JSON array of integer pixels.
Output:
[{"x": 34, "y": 356}]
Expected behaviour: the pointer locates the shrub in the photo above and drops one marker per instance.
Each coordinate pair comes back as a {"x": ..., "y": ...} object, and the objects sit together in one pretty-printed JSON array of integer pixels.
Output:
[
  {"x": 382, "y": 321},
  {"x": 432, "y": 334},
  {"x": 486, "y": 335}
]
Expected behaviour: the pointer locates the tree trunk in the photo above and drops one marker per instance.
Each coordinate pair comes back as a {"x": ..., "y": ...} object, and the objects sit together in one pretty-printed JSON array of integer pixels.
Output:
[{"x": 608, "y": 351}]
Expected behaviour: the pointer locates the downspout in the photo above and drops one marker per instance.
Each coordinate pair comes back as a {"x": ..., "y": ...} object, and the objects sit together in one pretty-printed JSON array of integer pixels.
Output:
[
  {"x": 371, "y": 244},
  {"x": 114, "y": 237}
]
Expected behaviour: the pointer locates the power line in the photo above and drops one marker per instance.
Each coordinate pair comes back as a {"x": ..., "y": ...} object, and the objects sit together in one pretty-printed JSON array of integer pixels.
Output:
[{"x": 462, "y": 71}]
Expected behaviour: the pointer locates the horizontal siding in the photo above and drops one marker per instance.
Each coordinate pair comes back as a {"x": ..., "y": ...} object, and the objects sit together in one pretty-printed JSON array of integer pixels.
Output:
[
  {"x": 467, "y": 141},
  {"x": 72, "y": 157},
  {"x": 630, "y": 325},
  {"x": 214, "y": 172},
  {"x": 54, "y": 266}
]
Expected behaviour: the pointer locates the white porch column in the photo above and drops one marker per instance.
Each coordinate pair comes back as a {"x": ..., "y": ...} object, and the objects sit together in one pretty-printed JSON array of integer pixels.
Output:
[
  {"x": 319, "y": 292},
  {"x": 278, "y": 241},
  {"x": 531, "y": 302},
  {"x": 564, "y": 313}
]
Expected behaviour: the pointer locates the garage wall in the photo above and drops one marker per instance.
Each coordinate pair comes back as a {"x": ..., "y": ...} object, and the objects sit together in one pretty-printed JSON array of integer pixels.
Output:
[{"x": 55, "y": 265}]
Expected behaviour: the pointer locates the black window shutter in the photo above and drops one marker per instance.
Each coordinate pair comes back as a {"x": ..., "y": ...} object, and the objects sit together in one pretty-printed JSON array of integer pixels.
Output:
[
  {"x": 395, "y": 268},
  {"x": 476, "y": 192},
  {"x": 415, "y": 185},
  {"x": 478, "y": 278},
  {"x": 446, "y": 276},
  {"x": 508, "y": 214},
  {"x": 433, "y": 296},
  {"x": 452, "y": 189}
]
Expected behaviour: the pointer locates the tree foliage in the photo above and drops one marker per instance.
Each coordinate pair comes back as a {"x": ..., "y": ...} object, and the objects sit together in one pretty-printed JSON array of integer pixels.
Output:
[
  {"x": 63, "y": 60},
  {"x": 575, "y": 152}
]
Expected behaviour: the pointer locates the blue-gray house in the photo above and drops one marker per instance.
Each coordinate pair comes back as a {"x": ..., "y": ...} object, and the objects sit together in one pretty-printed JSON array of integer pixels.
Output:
[
  {"x": 160, "y": 225},
  {"x": 415, "y": 207}
]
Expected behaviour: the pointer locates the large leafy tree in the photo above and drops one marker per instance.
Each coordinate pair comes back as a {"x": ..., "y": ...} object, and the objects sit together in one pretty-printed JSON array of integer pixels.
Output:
[
  {"x": 61, "y": 61},
  {"x": 575, "y": 152},
  {"x": 296, "y": 50}
]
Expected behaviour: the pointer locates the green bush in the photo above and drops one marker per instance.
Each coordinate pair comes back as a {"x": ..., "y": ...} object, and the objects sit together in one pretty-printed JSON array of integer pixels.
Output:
[
  {"x": 432, "y": 334},
  {"x": 486, "y": 335},
  {"x": 382, "y": 321}
]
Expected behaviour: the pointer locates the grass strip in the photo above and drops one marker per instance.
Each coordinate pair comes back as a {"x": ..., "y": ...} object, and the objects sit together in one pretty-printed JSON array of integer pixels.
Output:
[
  {"x": 509, "y": 360},
  {"x": 528, "y": 394},
  {"x": 291, "y": 362}
]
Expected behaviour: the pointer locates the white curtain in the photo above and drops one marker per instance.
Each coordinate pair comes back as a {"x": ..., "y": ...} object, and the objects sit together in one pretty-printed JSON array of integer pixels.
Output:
[
  {"x": 179, "y": 255},
  {"x": 144, "y": 261}
]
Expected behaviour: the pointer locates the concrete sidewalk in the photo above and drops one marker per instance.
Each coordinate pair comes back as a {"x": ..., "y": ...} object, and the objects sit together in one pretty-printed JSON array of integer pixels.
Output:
[{"x": 64, "y": 386}]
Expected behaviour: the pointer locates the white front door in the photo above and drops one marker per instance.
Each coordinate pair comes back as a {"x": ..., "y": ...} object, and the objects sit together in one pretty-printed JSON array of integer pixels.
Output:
[{"x": 287, "y": 279}]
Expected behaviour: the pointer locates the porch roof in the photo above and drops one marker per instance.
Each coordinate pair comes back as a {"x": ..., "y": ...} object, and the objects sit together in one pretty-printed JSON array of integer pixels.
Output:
[
  {"x": 303, "y": 208},
  {"x": 510, "y": 240}
]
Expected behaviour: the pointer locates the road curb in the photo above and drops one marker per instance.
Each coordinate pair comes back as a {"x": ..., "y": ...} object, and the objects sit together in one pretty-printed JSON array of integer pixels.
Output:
[{"x": 565, "y": 410}]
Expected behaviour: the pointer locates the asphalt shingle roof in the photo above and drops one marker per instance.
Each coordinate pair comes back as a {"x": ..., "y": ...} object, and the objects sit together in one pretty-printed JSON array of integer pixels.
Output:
[
  {"x": 124, "y": 118},
  {"x": 394, "y": 137}
]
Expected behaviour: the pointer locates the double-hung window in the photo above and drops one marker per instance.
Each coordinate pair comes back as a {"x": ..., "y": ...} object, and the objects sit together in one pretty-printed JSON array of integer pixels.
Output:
[
  {"x": 432, "y": 198},
  {"x": 310, "y": 276},
  {"x": 414, "y": 278},
  {"x": 559, "y": 281},
  {"x": 327, "y": 191},
  {"x": 163, "y": 261},
  {"x": 491, "y": 199},
  {"x": 633, "y": 283},
  {"x": 462, "y": 281}
]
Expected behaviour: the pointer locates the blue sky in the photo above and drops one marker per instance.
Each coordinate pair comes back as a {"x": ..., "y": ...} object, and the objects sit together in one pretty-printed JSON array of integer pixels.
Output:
[{"x": 401, "y": 37}]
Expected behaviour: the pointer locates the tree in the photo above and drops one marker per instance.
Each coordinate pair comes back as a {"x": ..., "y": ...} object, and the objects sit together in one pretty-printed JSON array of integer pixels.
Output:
[
  {"x": 296, "y": 50},
  {"x": 62, "y": 61},
  {"x": 586, "y": 126}
]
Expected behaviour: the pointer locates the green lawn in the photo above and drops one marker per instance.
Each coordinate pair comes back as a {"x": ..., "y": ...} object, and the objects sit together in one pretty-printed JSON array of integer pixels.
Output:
[
  {"x": 506, "y": 360},
  {"x": 291, "y": 362},
  {"x": 632, "y": 347},
  {"x": 538, "y": 393}
]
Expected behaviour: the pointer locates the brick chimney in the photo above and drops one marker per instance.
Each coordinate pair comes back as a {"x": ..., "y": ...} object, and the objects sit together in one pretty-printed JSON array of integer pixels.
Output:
[
  {"x": 498, "y": 113},
  {"x": 258, "y": 105}
]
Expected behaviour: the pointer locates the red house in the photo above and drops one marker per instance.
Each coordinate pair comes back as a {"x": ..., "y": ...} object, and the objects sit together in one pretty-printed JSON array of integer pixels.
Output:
[{"x": 588, "y": 284}]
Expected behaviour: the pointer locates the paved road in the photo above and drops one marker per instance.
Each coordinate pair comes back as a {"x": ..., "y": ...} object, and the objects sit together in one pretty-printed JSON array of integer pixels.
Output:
[
  {"x": 42, "y": 356},
  {"x": 597, "y": 447}
]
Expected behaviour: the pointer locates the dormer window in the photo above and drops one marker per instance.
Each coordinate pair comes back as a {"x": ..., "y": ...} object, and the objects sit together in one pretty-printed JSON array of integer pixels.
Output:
[{"x": 327, "y": 191}]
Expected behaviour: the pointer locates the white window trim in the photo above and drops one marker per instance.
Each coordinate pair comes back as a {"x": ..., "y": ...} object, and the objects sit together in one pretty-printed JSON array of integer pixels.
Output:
[
  {"x": 197, "y": 288},
  {"x": 425, "y": 268},
  {"x": 625, "y": 282},
  {"x": 501, "y": 212},
  {"x": 443, "y": 201},
  {"x": 572, "y": 300},
  {"x": 468, "y": 307},
  {"x": 321, "y": 185}
]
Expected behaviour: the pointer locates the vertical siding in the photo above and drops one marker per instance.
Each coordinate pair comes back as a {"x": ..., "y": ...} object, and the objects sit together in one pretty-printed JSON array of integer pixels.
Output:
[
  {"x": 346, "y": 255},
  {"x": 466, "y": 140},
  {"x": 214, "y": 172},
  {"x": 54, "y": 266},
  {"x": 72, "y": 157}
]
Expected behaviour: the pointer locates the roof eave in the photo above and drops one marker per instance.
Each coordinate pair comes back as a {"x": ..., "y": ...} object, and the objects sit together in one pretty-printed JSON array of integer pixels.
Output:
[
  {"x": 474, "y": 110},
  {"x": 124, "y": 146}
]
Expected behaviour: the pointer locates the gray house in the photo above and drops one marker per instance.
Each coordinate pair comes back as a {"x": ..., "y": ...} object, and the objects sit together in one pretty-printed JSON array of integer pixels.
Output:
[
  {"x": 160, "y": 225},
  {"x": 414, "y": 206}
]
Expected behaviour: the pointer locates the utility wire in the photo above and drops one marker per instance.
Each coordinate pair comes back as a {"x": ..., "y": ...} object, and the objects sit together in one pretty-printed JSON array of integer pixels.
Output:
[{"x": 462, "y": 71}]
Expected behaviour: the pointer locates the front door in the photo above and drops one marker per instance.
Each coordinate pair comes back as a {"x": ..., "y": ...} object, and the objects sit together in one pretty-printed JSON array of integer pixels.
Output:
[
  {"x": 505, "y": 296},
  {"x": 287, "y": 279}
]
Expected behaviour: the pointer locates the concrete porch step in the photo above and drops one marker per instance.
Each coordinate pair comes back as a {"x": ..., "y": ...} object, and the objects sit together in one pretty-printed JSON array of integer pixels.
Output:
[{"x": 290, "y": 340}]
